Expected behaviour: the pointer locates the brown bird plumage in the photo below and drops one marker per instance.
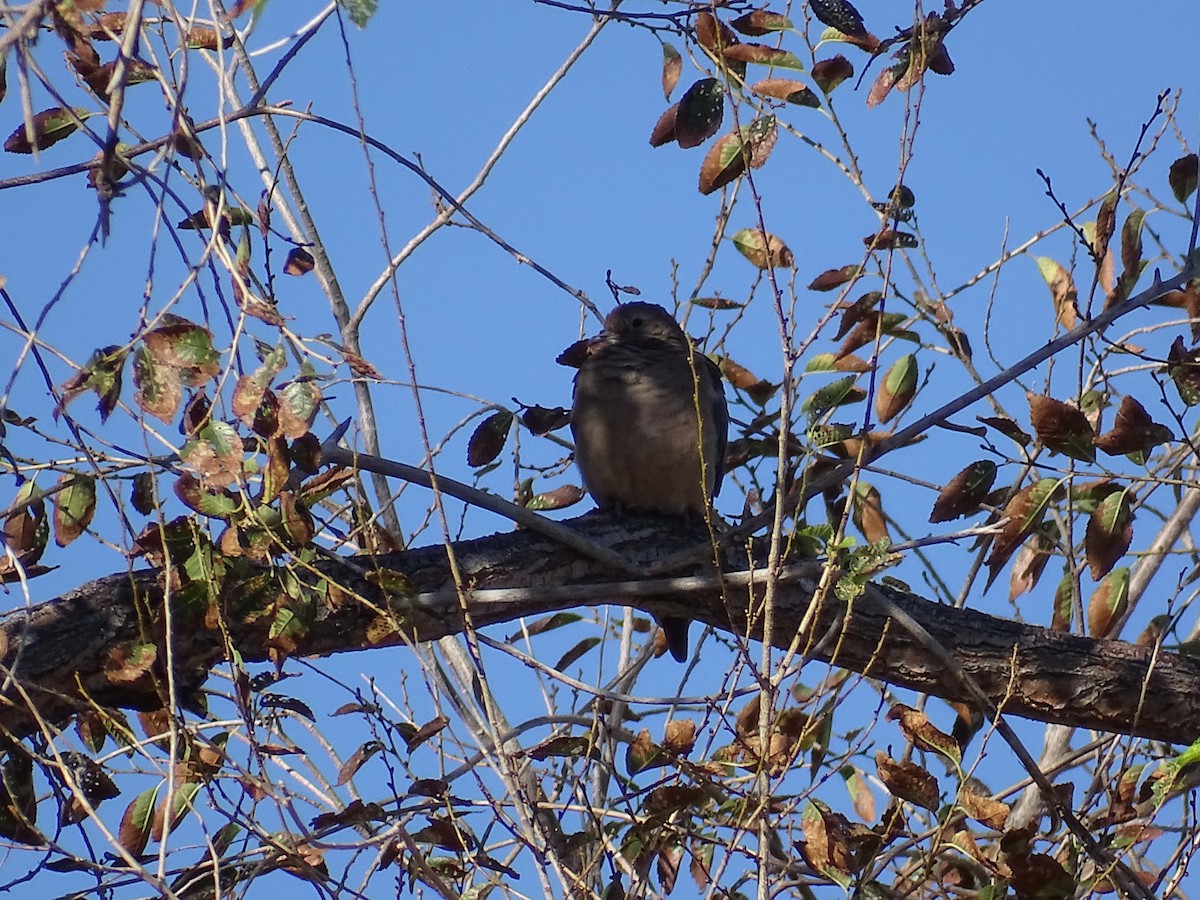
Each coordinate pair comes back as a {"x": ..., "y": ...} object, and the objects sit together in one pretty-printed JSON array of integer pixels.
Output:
[{"x": 650, "y": 423}]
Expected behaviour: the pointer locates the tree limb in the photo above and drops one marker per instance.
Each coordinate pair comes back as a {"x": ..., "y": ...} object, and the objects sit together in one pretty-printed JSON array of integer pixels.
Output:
[{"x": 66, "y": 653}]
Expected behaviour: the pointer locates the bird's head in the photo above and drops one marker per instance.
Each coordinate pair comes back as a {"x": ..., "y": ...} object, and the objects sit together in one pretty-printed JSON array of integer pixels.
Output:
[{"x": 643, "y": 323}]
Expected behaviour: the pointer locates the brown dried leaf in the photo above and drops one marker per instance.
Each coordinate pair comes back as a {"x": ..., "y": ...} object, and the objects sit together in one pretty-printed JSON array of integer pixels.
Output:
[
  {"x": 857, "y": 312},
  {"x": 1183, "y": 176},
  {"x": 74, "y": 506},
  {"x": 299, "y": 262},
  {"x": 48, "y": 127},
  {"x": 923, "y": 734},
  {"x": 712, "y": 34},
  {"x": 542, "y": 420},
  {"x": 679, "y": 736},
  {"x": 559, "y": 498},
  {"x": 1109, "y": 533},
  {"x": 1028, "y": 566},
  {"x": 829, "y": 73},
  {"x": 426, "y": 731},
  {"x": 1109, "y": 604},
  {"x": 136, "y": 822},
  {"x": 664, "y": 129},
  {"x": 357, "y": 760},
  {"x": 1133, "y": 430},
  {"x": 672, "y": 68},
  {"x": 868, "y": 513},
  {"x": 897, "y": 388},
  {"x": 724, "y": 162},
  {"x": 766, "y": 251},
  {"x": 1062, "y": 427},
  {"x": 964, "y": 493},
  {"x": 1024, "y": 513},
  {"x": 758, "y": 22},
  {"x": 992, "y": 813},
  {"x": 908, "y": 781},
  {"x": 834, "y": 278},
  {"x": 787, "y": 90},
  {"x": 489, "y": 438},
  {"x": 1062, "y": 291},
  {"x": 884, "y": 82}
]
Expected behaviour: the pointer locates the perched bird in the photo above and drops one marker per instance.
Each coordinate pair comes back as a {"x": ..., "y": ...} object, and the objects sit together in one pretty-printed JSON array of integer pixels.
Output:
[{"x": 650, "y": 423}]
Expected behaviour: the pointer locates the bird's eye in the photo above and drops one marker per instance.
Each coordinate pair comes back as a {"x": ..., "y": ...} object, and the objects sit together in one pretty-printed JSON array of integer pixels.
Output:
[{"x": 636, "y": 323}]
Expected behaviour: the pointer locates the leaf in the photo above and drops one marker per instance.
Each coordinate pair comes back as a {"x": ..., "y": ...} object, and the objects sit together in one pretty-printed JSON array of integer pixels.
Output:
[
  {"x": 723, "y": 163},
  {"x": 1062, "y": 427},
  {"x": 992, "y": 813},
  {"x": 701, "y": 109},
  {"x": 840, "y": 15},
  {"x": 201, "y": 37},
  {"x": 216, "y": 454},
  {"x": 908, "y": 781},
  {"x": 964, "y": 493},
  {"x": 829, "y": 73},
  {"x": 47, "y": 127},
  {"x": 357, "y": 760},
  {"x": 923, "y": 734},
  {"x": 758, "y": 22},
  {"x": 1184, "y": 370},
  {"x": 489, "y": 438},
  {"x": 134, "y": 831},
  {"x": 181, "y": 801},
  {"x": 872, "y": 325},
  {"x": 102, "y": 374},
  {"x": 184, "y": 345},
  {"x": 890, "y": 239},
  {"x": 359, "y": 11},
  {"x": 883, "y": 84},
  {"x": 1108, "y": 604},
  {"x": 868, "y": 513},
  {"x": 717, "y": 302},
  {"x": 426, "y": 731},
  {"x": 759, "y": 389},
  {"x": 298, "y": 403},
  {"x": 559, "y": 498},
  {"x": 642, "y": 753},
  {"x": 541, "y": 420},
  {"x": 764, "y": 250},
  {"x": 897, "y": 389},
  {"x": 787, "y": 90},
  {"x": 1106, "y": 223},
  {"x": 1029, "y": 564},
  {"x": 1183, "y": 176},
  {"x": 831, "y": 279},
  {"x": 158, "y": 389},
  {"x": 672, "y": 68},
  {"x": 299, "y": 262},
  {"x": 1109, "y": 533},
  {"x": 712, "y": 34},
  {"x": 1024, "y": 513},
  {"x": 1062, "y": 291},
  {"x": 1006, "y": 427},
  {"x": 1133, "y": 431},
  {"x": 74, "y": 506},
  {"x": 664, "y": 129},
  {"x": 838, "y": 393},
  {"x": 763, "y": 55}
]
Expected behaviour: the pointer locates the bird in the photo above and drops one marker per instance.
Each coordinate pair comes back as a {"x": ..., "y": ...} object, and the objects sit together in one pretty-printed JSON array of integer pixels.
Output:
[{"x": 651, "y": 424}]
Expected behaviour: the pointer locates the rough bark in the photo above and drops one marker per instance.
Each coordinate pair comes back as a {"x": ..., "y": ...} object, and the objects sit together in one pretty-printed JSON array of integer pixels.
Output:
[{"x": 68, "y": 653}]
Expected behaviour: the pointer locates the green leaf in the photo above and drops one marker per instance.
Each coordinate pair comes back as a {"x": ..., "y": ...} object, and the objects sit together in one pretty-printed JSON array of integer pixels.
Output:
[
  {"x": 838, "y": 393},
  {"x": 360, "y": 11}
]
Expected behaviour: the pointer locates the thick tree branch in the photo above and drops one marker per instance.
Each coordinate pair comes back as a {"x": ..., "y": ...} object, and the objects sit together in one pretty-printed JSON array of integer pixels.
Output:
[{"x": 68, "y": 652}]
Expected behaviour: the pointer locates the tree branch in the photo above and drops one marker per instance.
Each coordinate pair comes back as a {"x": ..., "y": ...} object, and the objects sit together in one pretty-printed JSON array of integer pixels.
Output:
[{"x": 66, "y": 653}]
